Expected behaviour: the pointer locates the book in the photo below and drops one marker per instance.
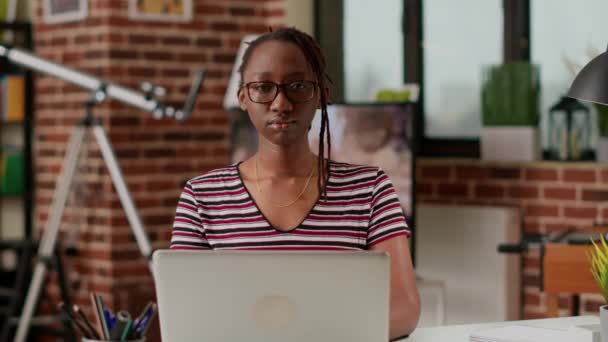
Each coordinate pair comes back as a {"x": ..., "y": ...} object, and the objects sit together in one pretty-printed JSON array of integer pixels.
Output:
[{"x": 14, "y": 98}]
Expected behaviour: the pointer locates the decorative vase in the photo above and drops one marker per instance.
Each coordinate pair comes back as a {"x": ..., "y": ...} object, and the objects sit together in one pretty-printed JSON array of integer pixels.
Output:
[{"x": 604, "y": 322}]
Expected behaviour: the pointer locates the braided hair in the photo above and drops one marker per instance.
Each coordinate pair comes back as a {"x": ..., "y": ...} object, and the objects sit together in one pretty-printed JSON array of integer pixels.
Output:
[{"x": 316, "y": 60}]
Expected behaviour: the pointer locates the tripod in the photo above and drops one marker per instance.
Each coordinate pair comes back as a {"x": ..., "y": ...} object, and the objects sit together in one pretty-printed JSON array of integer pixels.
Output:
[{"x": 60, "y": 196}]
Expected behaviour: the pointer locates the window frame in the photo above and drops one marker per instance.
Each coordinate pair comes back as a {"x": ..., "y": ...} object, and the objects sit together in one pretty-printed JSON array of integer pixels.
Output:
[{"x": 516, "y": 46}]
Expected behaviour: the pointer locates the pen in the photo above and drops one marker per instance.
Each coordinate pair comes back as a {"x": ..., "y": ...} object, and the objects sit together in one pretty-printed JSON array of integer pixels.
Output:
[
  {"x": 126, "y": 331},
  {"x": 110, "y": 319},
  {"x": 102, "y": 317},
  {"x": 83, "y": 317},
  {"x": 123, "y": 322},
  {"x": 146, "y": 324}
]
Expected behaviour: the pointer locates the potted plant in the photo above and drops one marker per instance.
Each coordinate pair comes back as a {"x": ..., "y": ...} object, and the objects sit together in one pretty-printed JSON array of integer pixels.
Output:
[
  {"x": 599, "y": 270},
  {"x": 510, "y": 112}
]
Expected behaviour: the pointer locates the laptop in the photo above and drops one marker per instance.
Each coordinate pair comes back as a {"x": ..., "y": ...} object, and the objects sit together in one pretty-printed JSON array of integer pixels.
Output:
[{"x": 272, "y": 296}]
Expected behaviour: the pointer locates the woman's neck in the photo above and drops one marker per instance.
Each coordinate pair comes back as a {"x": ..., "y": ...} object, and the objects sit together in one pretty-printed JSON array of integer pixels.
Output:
[{"x": 285, "y": 161}]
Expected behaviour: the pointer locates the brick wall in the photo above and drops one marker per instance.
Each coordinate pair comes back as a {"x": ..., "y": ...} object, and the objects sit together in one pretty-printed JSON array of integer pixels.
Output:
[
  {"x": 156, "y": 156},
  {"x": 550, "y": 196}
]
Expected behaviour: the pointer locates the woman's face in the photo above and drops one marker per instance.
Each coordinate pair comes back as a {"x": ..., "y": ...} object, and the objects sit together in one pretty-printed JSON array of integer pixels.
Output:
[{"x": 281, "y": 122}]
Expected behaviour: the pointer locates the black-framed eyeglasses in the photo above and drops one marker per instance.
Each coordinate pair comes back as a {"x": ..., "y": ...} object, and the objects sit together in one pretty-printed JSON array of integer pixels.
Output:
[{"x": 267, "y": 91}]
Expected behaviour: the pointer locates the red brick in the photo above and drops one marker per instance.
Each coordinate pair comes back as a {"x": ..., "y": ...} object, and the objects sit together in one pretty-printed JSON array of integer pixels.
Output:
[
  {"x": 532, "y": 299},
  {"x": 593, "y": 305},
  {"x": 450, "y": 189},
  {"x": 489, "y": 191},
  {"x": 242, "y": 11},
  {"x": 532, "y": 227},
  {"x": 161, "y": 185},
  {"x": 225, "y": 27},
  {"x": 504, "y": 173},
  {"x": 581, "y": 212},
  {"x": 561, "y": 193},
  {"x": 531, "y": 262},
  {"x": 209, "y": 9},
  {"x": 255, "y": 28},
  {"x": 436, "y": 172},
  {"x": 471, "y": 172},
  {"x": 424, "y": 188},
  {"x": 534, "y": 315},
  {"x": 158, "y": 56},
  {"x": 540, "y": 174},
  {"x": 555, "y": 227},
  {"x": 539, "y": 210},
  {"x": 579, "y": 176},
  {"x": 604, "y": 176},
  {"x": 209, "y": 42},
  {"x": 176, "y": 41},
  {"x": 531, "y": 280},
  {"x": 594, "y": 195},
  {"x": 522, "y": 191}
]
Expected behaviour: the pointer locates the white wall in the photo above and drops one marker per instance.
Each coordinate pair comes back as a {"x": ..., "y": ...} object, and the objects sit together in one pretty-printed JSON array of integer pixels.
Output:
[{"x": 300, "y": 13}]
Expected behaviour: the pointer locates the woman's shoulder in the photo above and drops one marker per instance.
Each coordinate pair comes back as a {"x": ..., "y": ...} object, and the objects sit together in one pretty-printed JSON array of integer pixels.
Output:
[
  {"x": 349, "y": 168},
  {"x": 228, "y": 173}
]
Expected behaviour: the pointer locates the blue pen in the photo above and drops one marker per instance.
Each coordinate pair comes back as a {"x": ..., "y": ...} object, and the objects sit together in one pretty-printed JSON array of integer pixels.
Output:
[
  {"x": 144, "y": 321},
  {"x": 110, "y": 319}
]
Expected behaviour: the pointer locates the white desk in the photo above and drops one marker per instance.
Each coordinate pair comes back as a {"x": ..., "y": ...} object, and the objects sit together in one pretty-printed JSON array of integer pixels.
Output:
[{"x": 460, "y": 333}]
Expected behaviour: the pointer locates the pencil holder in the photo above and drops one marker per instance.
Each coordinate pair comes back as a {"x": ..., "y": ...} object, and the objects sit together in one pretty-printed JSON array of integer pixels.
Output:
[{"x": 89, "y": 340}]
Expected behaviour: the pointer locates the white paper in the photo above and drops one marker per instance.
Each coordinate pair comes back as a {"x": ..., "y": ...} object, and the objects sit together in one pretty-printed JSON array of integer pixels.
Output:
[{"x": 520, "y": 333}]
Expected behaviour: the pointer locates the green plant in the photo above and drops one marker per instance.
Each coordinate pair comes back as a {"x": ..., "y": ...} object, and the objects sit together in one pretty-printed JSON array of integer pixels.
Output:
[
  {"x": 510, "y": 94},
  {"x": 602, "y": 119},
  {"x": 599, "y": 265}
]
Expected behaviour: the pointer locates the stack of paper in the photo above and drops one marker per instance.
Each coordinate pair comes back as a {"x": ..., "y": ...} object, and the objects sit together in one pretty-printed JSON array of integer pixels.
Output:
[{"x": 523, "y": 333}]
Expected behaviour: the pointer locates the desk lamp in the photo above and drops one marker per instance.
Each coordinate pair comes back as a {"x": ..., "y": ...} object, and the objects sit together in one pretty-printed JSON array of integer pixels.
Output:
[{"x": 591, "y": 83}]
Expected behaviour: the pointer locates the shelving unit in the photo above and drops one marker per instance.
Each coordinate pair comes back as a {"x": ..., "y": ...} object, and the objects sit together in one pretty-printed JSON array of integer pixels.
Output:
[
  {"x": 16, "y": 207},
  {"x": 16, "y": 202}
]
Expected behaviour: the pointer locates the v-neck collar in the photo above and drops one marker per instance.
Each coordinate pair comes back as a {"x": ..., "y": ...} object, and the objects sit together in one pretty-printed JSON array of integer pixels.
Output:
[{"x": 257, "y": 207}]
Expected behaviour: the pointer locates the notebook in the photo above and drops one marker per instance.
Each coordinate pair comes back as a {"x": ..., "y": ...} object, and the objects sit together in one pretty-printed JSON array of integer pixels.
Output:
[{"x": 272, "y": 296}]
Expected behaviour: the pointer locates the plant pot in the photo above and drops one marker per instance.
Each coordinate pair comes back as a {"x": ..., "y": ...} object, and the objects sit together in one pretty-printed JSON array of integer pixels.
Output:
[
  {"x": 604, "y": 322},
  {"x": 601, "y": 150},
  {"x": 518, "y": 143}
]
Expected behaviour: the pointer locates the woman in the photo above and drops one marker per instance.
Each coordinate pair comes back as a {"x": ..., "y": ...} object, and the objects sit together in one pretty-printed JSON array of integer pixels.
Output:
[{"x": 269, "y": 201}]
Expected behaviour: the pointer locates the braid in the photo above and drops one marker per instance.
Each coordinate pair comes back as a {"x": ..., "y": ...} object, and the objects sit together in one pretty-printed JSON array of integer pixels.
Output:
[{"x": 316, "y": 60}]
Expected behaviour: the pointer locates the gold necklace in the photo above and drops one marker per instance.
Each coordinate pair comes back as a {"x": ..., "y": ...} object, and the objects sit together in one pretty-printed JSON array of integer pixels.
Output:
[{"x": 257, "y": 184}]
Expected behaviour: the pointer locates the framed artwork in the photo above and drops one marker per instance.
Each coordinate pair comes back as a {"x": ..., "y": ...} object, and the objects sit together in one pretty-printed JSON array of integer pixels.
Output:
[
  {"x": 366, "y": 134},
  {"x": 61, "y": 11},
  {"x": 161, "y": 10}
]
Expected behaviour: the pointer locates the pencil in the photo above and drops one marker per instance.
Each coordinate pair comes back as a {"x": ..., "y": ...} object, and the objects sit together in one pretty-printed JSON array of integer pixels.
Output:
[
  {"x": 79, "y": 325},
  {"x": 84, "y": 318},
  {"x": 96, "y": 314}
]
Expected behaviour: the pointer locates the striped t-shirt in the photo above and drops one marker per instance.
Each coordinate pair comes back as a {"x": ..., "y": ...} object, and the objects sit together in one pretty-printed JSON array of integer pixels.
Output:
[{"x": 216, "y": 211}]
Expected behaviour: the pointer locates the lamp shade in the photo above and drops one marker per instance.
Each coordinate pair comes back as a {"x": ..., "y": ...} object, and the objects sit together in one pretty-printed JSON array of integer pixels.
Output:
[{"x": 591, "y": 83}]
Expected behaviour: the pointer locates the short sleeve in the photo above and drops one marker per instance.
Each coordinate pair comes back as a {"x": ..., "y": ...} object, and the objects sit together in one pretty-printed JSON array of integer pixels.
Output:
[
  {"x": 387, "y": 219},
  {"x": 188, "y": 231}
]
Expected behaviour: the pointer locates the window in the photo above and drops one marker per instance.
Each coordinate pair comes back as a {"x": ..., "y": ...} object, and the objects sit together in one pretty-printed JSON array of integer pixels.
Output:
[
  {"x": 460, "y": 38},
  {"x": 565, "y": 35},
  {"x": 373, "y": 48}
]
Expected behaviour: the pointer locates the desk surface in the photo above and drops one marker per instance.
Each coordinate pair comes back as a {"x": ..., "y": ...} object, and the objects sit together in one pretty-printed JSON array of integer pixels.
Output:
[{"x": 460, "y": 333}]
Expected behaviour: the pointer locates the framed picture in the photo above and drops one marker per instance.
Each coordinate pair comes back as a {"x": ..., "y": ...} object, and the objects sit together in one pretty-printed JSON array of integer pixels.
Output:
[
  {"x": 366, "y": 134},
  {"x": 161, "y": 10},
  {"x": 61, "y": 11}
]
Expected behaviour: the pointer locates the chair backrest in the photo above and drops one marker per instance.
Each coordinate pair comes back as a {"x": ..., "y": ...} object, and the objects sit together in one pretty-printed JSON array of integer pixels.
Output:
[{"x": 565, "y": 269}]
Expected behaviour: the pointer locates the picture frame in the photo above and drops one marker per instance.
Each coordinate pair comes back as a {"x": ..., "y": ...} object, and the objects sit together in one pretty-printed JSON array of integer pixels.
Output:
[
  {"x": 62, "y": 11},
  {"x": 161, "y": 10}
]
